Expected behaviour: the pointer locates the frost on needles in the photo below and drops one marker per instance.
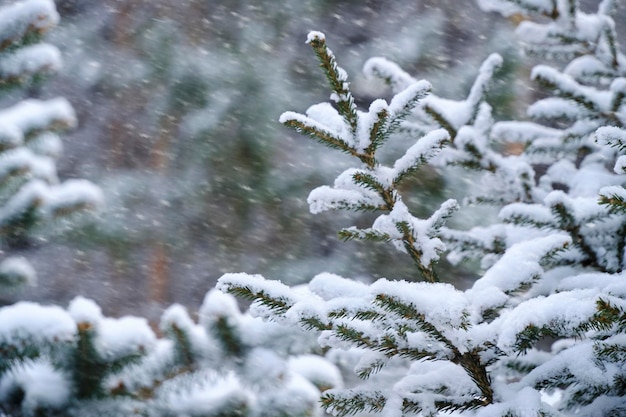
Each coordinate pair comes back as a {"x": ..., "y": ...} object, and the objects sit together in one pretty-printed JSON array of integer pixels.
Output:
[{"x": 541, "y": 332}]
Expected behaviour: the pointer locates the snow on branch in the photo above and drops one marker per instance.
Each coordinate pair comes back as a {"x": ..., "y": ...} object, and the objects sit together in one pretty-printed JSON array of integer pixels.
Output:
[
  {"x": 24, "y": 18},
  {"x": 28, "y": 62},
  {"x": 389, "y": 71}
]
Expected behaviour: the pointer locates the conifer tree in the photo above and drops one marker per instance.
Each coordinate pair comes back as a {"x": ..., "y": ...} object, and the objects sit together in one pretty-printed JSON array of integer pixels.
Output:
[
  {"x": 30, "y": 192},
  {"x": 553, "y": 269},
  {"x": 553, "y": 262},
  {"x": 76, "y": 361}
]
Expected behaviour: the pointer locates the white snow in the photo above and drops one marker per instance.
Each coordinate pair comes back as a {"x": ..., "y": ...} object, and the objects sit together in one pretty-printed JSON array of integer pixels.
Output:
[
  {"x": 329, "y": 286},
  {"x": 32, "y": 115},
  {"x": 315, "y": 36},
  {"x": 209, "y": 394},
  {"x": 43, "y": 386},
  {"x": 35, "y": 323},
  {"x": 388, "y": 70},
  {"x": 317, "y": 370},
  {"x": 115, "y": 338},
  {"x": 30, "y": 60},
  {"x": 84, "y": 310},
  {"x": 18, "y": 18},
  {"x": 124, "y": 336},
  {"x": 521, "y": 264},
  {"x": 424, "y": 149},
  {"x": 71, "y": 195},
  {"x": 309, "y": 123},
  {"x": 16, "y": 270}
]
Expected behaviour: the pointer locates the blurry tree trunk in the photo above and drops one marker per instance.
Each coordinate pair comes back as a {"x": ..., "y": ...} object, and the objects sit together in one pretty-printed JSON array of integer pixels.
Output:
[
  {"x": 159, "y": 277},
  {"x": 158, "y": 273}
]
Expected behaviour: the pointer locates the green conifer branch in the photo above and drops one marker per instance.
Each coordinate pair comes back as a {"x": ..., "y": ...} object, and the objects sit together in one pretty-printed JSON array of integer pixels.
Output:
[
  {"x": 416, "y": 318},
  {"x": 228, "y": 337},
  {"x": 528, "y": 337},
  {"x": 413, "y": 169},
  {"x": 610, "y": 352},
  {"x": 353, "y": 233},
  {"x": 88, "y": 367},
  {"x": 378, "y": 135},
  {"x": 31, "y": 33},
  {"x": 351, "y": 402},
  {"x": 10, "y": 353},
  {"x": 611, "y": 40},
  {"x": 400, "y": 115},
  {"x": 314, "y": 323},
  {"x": 277, "y": 304},
  {"x": 321, "y": 136},
  {"x": 441, "y": 120},
  {"x": 337, "y": 78},
  {"x": 355, "y": 336},
  {"x": 526, "y": 220},
  {"x": 606, "y": 316},
  {"x": 409, "y": 243},
  {"x": 412, "y": 129},
  {"x": 15, "y": 228},
  {"x": 569, "y": 90},
  {"x": 369, "y": 315},
  {"x": 534, "y": 8},
  {"x": 371, "y": 182},
  {"x": 183, "y": 348},
  {"x": 618, "y": 100},
  {"x": 373, "y": 368},
  {"x": 569, "y": 224},
  {"x": 470, "y": 361}
]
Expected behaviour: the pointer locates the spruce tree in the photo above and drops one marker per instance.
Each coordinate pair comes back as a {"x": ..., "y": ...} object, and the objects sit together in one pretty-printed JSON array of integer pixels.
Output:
[
  {"x": 541, "y": 332},
  {"x": 74, "y": 361},
  {"x": 553, "y": 260},
  {"x": 31, "y": 195}
]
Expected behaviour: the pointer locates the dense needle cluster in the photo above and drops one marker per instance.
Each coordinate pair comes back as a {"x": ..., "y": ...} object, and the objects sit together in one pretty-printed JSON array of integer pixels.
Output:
[{"x": 541, "y": 332}]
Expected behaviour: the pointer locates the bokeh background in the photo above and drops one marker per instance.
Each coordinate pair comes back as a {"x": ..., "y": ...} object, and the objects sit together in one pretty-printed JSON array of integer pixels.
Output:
[{"x": 178, "y": 105}]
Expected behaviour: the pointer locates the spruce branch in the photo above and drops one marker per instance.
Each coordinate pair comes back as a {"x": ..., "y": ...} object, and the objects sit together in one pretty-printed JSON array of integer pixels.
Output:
[
  {"x": 310, "y": 128},
  {"x": 610, "y": 37},
  {"x": 341, "y": 404},
  {"x": 370, "y": 181},
  {"x": 612, "y": 136},
  {"x": 618, "y": 88},
  {"x": 337, "y": 77},
  {"x": 88, "y": 367},
  {"x": 610, "y": 352},
  {"x": 528, "y": 337},
  {"x": 403, "y": 104},
  {"x": 252, "y": 292},
  {"x": 390, "y": 72},
  {"x": 279, "y": 305},
  {"x": 352, "y": 233},
  {"x": 606, "y": 316},
  {"x": 414, "y": 316},
  {"x": 373, "y": 368},
  {"x": 441, "y": 120},
  {"x": 410, "y": 245},
  {"x": 532, "y": 7},
  {"x": 379, "y": 133},
  {"x": 34, "y": 19},
  {"x": 565, "y": 86},
  {"x": 184, "y": 350},
  {"x": 228, "y": 337}
]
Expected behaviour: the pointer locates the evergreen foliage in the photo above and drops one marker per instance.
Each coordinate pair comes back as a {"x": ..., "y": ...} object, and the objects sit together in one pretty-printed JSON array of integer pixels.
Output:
[
  {"x": 30, "y": 192},
  {"x": 540, "y": 332}
]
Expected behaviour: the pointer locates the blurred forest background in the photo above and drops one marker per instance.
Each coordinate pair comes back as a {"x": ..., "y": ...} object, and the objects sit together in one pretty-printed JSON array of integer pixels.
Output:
[{"x": 178, "y": 103}]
